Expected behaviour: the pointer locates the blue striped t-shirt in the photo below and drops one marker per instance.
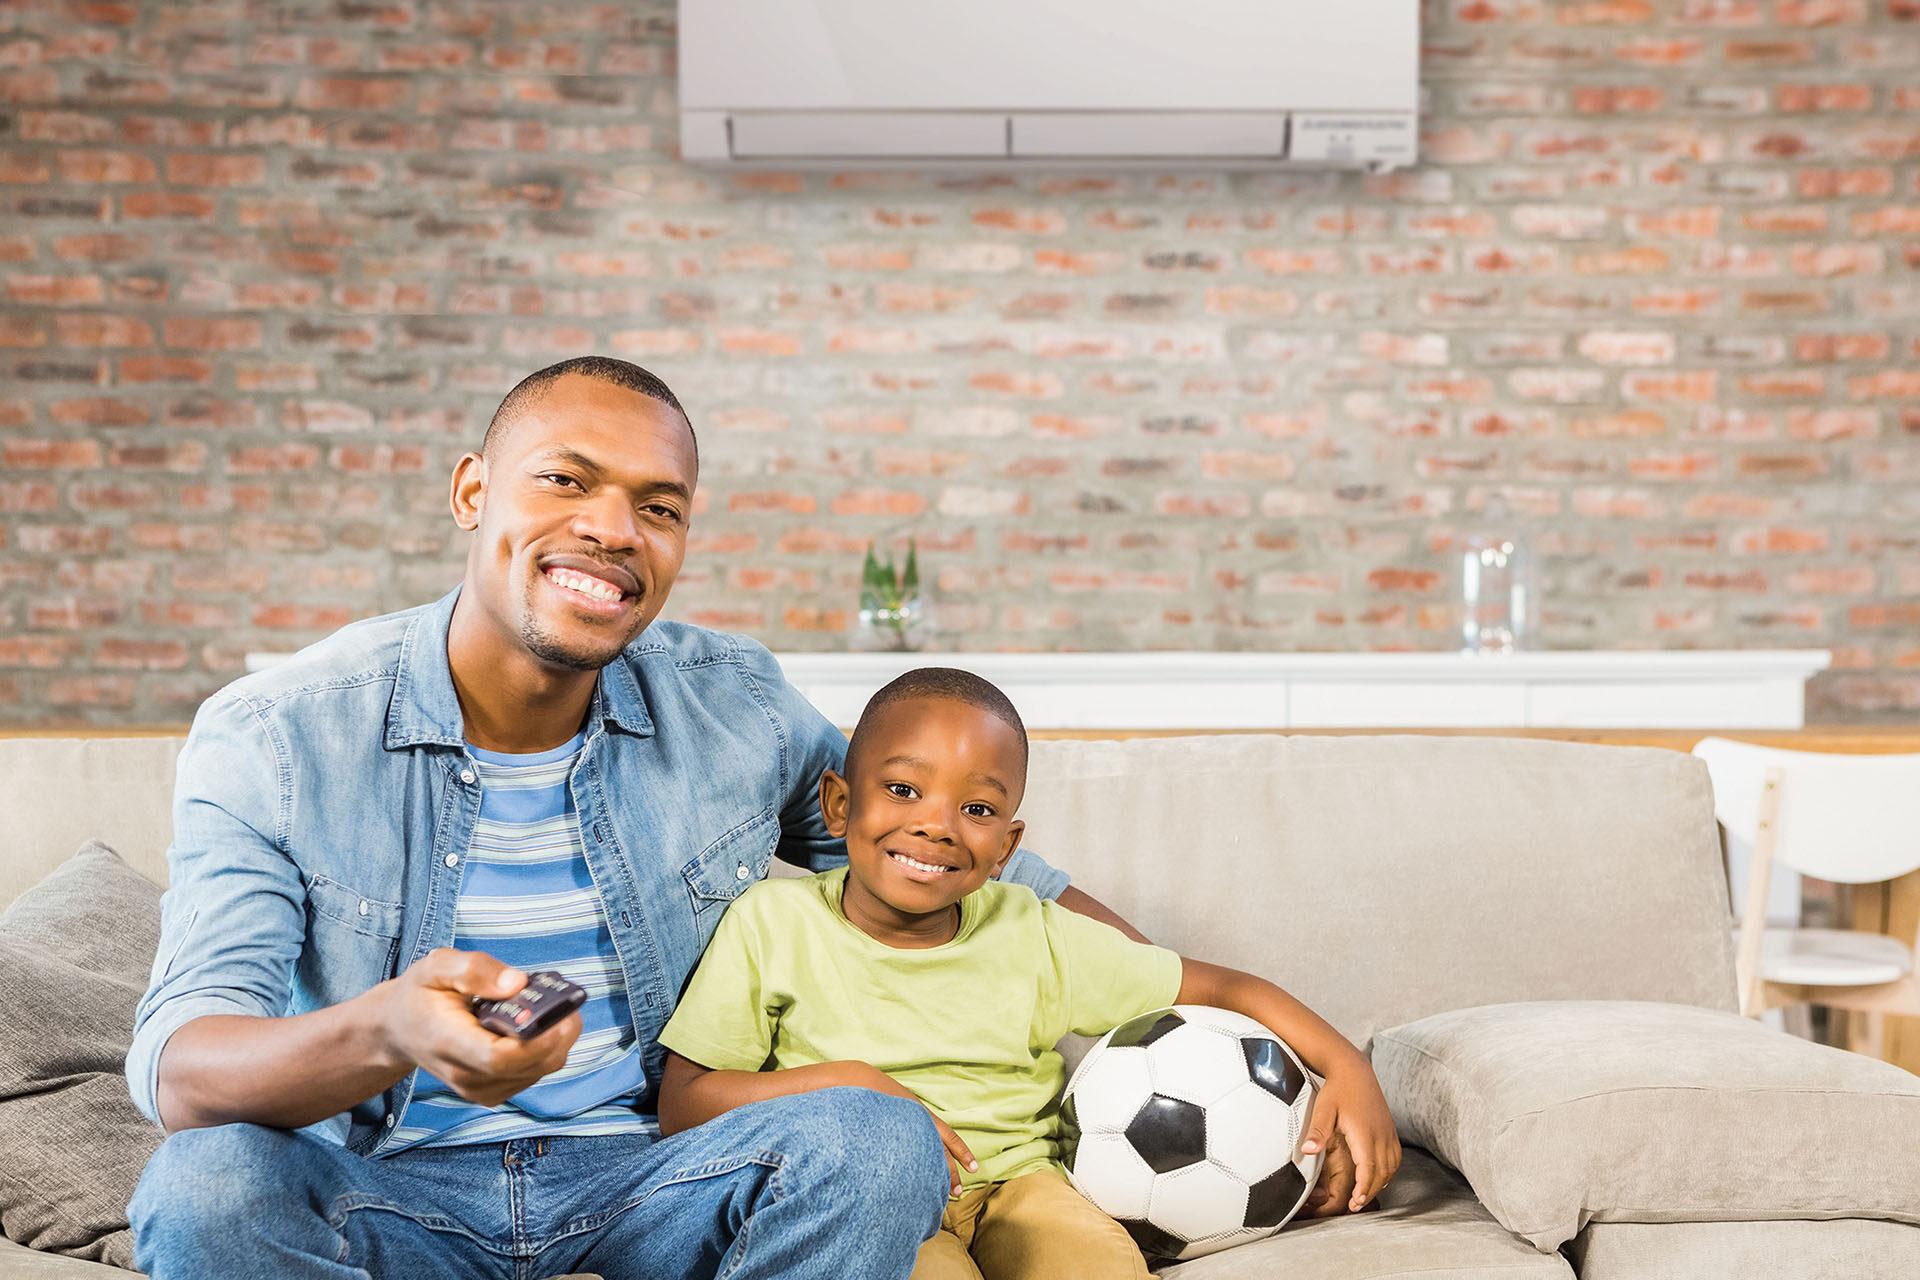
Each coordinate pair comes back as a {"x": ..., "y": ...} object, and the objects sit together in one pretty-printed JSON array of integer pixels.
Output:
[{"x": 529, "y": 900}]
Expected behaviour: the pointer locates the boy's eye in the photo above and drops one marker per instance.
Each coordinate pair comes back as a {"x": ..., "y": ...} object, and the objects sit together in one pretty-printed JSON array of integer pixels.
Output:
[
  {"x": 900, "y": 790},
  {"x": 979, "y": 810}
]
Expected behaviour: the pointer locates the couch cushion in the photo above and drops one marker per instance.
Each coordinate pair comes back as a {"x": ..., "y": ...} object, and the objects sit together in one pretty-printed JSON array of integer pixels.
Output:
[
  {"x": 1562, "y": 1113},
  {"x": 1381, "y": 878},
  {"x": 1854, "y": 1248},
  {"x": 1428, "y": 1224},
  {"x": 75, "y": 952},
  {"x": 58, "y": 792}
]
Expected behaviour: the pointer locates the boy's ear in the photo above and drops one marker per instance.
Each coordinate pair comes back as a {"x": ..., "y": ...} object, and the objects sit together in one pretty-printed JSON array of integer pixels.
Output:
[
  {"x": 834, "y": 797},
  {"x": 1015, "y": 830}
]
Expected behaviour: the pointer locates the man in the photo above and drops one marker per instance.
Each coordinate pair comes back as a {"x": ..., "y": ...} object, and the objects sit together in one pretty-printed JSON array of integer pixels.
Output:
[{"x": 532, "y": 768}]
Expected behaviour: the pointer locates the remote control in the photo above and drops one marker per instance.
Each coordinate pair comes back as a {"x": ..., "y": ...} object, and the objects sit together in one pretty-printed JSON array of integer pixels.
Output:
[{"x": 545, "y": 1000}]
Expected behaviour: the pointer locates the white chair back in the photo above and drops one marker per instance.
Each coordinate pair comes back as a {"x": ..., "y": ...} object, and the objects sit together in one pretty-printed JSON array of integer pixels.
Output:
[{"x": 1851, "y": 819}]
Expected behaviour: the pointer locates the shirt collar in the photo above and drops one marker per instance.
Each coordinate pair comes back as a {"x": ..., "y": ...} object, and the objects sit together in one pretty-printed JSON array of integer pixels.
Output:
[{"x": 425, "y": 711}]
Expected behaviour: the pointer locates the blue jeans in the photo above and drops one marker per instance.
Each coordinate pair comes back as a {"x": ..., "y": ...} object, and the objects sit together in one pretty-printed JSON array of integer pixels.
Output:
[{"x": 841, "y": 1184}]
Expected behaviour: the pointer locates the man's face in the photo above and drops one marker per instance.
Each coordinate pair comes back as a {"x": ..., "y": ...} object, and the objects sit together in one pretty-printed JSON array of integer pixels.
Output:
[
  {"x": 927, "y": 808},
  {"x": 580, "y": 520}
]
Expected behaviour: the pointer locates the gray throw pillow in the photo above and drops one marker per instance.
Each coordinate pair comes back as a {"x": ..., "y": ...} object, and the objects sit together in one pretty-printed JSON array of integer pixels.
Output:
[
  {"x": 1565, "y": 1112},
  {"x": 75, "y": 952}
]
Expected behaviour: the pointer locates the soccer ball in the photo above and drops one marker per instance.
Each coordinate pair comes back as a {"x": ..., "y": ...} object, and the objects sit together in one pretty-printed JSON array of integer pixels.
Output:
[{"x": 1185, "y": 1126}]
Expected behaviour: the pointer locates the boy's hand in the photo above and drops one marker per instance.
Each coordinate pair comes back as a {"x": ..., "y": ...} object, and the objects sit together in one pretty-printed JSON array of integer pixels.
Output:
[
  {"x": 1333, "y": 1189},
  {"x": 1352, "y": 1125},
  {"x": 863, "y": 1075}
]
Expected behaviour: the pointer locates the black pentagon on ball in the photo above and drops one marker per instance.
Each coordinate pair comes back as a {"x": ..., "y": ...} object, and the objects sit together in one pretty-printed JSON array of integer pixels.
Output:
[
  {"x": 1271, "y": 1199},
  {"x": 1145, "y": 1029},
  {"x": 1168, "y": 1134},
  {"x": 1153, "y": 1242},
  {"x": 1273, "y": 1068}
]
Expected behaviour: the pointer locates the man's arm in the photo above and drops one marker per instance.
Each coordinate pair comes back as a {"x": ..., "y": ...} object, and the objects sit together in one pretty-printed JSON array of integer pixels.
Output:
[
  {"x": 210, "y": 1045},
  {"x": 1085, "y": 905},
  {"x": 295, "y": 1071}
]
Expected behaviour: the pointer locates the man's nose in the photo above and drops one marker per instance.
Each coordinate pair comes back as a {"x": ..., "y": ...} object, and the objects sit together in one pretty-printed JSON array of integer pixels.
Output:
[{"x": 608, "y": 519}]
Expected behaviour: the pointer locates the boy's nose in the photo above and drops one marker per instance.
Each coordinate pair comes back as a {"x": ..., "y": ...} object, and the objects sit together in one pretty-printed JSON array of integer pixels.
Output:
[{"x": 933, "y": 826}]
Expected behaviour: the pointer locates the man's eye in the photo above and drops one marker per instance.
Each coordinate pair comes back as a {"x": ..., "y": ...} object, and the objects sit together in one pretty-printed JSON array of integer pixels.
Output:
[
  {"x": 663, "y": 511},
  {"x": 556, "y": 477}
]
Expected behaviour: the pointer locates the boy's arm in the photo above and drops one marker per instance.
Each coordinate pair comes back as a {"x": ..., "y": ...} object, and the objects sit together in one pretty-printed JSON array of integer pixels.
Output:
[
  {"x": 1349, "y": 1105},
  {"x": 691, "y": 1094}
]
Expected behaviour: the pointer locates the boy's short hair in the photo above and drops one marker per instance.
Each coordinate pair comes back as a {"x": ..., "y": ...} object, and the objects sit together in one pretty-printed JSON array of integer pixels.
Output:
[{"x": 942, "y": 682}]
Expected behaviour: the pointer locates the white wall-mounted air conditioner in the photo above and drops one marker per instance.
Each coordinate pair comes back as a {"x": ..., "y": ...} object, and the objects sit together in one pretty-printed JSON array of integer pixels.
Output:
[{"x": 1220, "y": 84}]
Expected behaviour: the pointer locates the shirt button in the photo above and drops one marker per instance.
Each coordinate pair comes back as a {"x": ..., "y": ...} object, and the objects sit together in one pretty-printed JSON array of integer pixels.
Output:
[
  {"x": 740, "y": 872},
  {"x": 389, "y": 1119},
  {"x": 453, "y": 859},
  {"x": 466, "y": 776},
  {"x": 364, "y": 907}
]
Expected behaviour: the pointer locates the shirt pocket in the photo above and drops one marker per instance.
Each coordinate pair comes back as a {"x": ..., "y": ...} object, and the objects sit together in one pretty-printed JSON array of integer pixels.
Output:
[
  {"x": 722, "y": 871},
  {"x": 354, "y": 940}
]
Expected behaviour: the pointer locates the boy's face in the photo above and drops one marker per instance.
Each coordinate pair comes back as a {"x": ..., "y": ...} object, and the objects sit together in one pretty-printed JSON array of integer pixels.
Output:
[{"x": 926, "y": 809}]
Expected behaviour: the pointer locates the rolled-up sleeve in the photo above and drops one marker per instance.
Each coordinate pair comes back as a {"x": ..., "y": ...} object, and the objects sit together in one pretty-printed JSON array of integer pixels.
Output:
[{"x": 233, "y": 918}]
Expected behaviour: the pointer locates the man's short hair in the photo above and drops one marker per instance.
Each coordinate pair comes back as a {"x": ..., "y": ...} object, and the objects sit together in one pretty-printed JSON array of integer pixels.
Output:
[
  {"x": 621, "y": 373},
  {"x": 942, "y": 682}
]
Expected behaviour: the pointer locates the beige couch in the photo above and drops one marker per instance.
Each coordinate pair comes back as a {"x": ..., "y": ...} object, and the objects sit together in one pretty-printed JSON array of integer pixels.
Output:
[{"x": 1385, "y": 880}]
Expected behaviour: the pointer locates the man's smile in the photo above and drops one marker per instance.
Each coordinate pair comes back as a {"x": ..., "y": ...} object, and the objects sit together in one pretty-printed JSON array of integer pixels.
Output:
[{"x": 604, "y": 588}]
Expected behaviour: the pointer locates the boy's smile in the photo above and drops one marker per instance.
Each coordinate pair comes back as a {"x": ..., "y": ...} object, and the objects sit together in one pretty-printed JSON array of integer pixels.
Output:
[{"x": 927, "y": 811}]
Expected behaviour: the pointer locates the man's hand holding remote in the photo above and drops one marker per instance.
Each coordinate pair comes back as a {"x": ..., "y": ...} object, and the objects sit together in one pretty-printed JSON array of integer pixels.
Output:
[{"x": 429, "y": 1020}]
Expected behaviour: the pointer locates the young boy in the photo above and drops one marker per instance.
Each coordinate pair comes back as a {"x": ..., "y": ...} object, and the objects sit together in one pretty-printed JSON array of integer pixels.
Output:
[{"x": 913, "y": 972}]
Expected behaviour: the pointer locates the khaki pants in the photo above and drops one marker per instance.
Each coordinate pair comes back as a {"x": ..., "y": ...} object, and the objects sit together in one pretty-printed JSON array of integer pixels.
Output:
[{"x": 1034, "y": 1227}]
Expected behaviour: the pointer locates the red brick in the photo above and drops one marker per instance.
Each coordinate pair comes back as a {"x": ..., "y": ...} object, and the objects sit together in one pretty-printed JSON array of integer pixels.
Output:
[
  {"x": 351, "y": 93},
  {"x": 1782, "y": 466},
  {"x": 104, "y": 411},
  {"x": 90, "y": 691},
  {"x": 1888, "y": 384},
  {"x": 878, "y": 502},
  {"x": 105, "y": 166},
  {"x": 203, "y": 333},
  {"x": 142, "y": 369},
  {"x": 66, "y": 127},
  {"x": 57, "y": 291},
  {"x": 28, "y": 495},
  {"x": 166, "y": 204},
  {"x": 216, "y": 171},
  {"x": 1831, "y": 347}
]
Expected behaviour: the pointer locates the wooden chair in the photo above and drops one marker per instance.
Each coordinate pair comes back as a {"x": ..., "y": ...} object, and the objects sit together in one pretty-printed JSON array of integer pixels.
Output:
[{"x": 1849, "y": 819}]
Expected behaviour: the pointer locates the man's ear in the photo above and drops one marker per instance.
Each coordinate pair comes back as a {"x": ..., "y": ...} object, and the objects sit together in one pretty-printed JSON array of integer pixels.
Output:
[
  {"x": 469, "y": 490},
  {"x": 1015, "y": 830},
  {"x": 834, "y": 798}
]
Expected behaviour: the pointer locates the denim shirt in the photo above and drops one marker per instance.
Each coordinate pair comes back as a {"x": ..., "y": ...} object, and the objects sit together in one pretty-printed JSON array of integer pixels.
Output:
[{"x": 323, "y": 809}]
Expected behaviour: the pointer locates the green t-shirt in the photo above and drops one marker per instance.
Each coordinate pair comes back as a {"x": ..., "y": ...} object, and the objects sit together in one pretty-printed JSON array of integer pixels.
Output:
[{"x": 969, "y": 1026}]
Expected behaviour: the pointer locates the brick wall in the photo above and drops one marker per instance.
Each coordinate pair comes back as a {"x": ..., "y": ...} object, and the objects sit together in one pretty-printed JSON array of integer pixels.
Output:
[{"x": 267, "y": 268}]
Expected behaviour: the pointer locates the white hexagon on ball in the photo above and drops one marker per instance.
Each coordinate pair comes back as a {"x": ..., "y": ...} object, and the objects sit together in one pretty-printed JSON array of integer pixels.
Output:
[
  {"x": 1196, "y": 1064},
  {"x": 1234, "y": 1024},
  {"x": 1198, "y": 1201},
  {"x": 1110, "y": 1088},
  {"x": 1108, "y": 1171},
  {"x": 1251, "y": 1132}
]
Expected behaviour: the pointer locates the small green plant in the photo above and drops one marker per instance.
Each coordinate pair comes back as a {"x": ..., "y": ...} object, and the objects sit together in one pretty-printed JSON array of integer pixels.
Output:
[{"x": 887, "y": 598}]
